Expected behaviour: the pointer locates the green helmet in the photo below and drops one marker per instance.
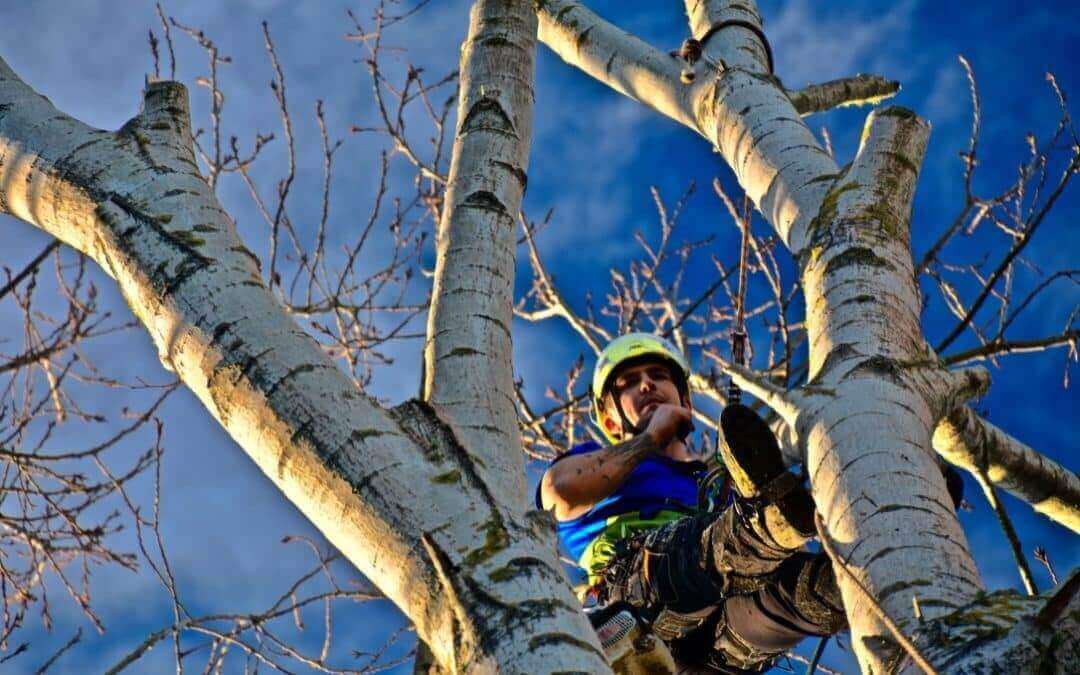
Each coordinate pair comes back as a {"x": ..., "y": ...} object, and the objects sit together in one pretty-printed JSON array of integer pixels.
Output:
[{"x": 628, "y": 347}]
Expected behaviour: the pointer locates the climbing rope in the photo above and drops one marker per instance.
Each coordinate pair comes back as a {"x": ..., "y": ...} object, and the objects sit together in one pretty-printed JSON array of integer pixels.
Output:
[
  {"x": 738, "y": 330},
  {"x": 713, "y": 489}
]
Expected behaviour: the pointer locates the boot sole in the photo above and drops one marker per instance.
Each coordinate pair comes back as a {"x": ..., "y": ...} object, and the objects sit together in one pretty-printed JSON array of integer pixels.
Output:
[{"x": 750, "y": 451}]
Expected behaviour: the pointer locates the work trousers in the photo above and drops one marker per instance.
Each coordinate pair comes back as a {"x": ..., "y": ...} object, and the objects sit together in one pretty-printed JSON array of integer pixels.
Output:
[{"x": 721, "y": 593}]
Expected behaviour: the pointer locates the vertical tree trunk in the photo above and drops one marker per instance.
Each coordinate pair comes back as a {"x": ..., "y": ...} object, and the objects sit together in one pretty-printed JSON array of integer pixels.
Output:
[
  {"x": 867, "y": 439},
  {"x": 876, "y": 390},
  {"x": 441, "y": 528},
  {"x": 469, "y": 374}
]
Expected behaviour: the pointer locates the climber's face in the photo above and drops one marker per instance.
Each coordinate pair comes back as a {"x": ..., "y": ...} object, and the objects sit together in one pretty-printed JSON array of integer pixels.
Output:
[{"x": 638, "y": 388}]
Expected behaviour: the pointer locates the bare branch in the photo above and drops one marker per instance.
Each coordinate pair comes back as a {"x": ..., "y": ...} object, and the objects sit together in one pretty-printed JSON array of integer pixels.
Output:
[
  {"x": 849, "y": 91},
  {"x": 614, "y": 57},
  {"x": 976, "y": 445}
]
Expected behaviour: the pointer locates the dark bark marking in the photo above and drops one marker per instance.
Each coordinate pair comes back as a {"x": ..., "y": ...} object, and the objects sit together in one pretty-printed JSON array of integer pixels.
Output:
[
  {"x": 419, "y": 421},
  {"x": 841, "y": 352},
  {"x": 889, "y": 550},
  {"x": 517, "y": 567},
  {"x": 562, "y": 12},
  {"x": 487, "y": 114},
  {"x": 900, "y": 507},
  {"x": 583, "y": 38},
  {"x": 292, "y": 373},
  {"x": 464, "y": 351},
  {"x": 851, "y": 462},
  {"x": 244, "y": 250},
  {"x": 485, "y": 199},
  {"x": 219, "y": 332},
  {"x": 497, "y": 322},
  {"x": 547, "y": 639},
  {"x": 862, "y": 298},
  {"x": 517, "y": 172},
  {"x": 881, "y": 366},
  {"x": 856, "y": 255},
  {"x": 903, "y": 161}
]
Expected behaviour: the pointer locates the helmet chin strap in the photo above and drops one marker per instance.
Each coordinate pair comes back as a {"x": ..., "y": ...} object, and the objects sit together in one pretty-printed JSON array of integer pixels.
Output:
[
  {"x": 627, "y": 428},
  {"x": 638, "y": 429}
]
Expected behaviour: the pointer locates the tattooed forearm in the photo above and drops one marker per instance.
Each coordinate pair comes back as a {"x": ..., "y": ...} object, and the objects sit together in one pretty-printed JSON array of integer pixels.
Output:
[
  {"x": 615, "y": 463},
  {"x": 574, "y": 484}
]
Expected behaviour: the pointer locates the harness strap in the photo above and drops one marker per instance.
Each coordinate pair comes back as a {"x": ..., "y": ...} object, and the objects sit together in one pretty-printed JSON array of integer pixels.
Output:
[
  {"x": 670, "y": 625},
  {"x": 719, "y": 25}
]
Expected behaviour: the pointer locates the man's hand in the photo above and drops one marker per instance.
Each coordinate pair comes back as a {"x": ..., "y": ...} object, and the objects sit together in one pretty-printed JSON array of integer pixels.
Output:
[{"x": 666, "y": 423}]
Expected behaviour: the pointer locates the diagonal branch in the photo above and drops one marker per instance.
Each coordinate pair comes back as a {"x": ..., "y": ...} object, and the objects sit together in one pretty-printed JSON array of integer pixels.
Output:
[
  {"x": 614, "y": 57},
  {"x": 30, "y": 268},
  {"x": 848, "y": 91},
  {"x": 371, "y": 480},
  {"x": 786, "y": 403},
  {"x": 973, "y": 444},
  {"x": 733, "y": 101}
]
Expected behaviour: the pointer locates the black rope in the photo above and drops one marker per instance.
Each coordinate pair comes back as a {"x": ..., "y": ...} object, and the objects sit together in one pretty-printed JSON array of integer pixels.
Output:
[
  {"x": 811, "y": 668},
  {"x": 720, "y": 25}
]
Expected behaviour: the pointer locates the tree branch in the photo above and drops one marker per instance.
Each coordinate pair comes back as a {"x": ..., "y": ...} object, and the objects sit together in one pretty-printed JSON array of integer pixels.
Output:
[
  {"x": 973, "y": 444},
  {"x": 614, "y": 57},
  {"x": 1004, "y": 347},
  {"x": 30, "y": 268},
  {"x": 848, "y": 91}
]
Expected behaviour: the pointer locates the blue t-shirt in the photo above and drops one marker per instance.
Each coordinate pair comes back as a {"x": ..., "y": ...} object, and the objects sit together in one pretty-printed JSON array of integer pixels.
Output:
[{"x": 658, "y": 490}]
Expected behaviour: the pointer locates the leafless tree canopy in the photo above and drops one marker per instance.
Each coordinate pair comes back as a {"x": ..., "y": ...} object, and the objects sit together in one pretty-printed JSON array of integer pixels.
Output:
[{"x": 61, "y": 505}]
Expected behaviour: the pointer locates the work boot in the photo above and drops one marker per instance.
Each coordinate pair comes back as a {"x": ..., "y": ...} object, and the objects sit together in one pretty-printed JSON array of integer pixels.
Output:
[{"x": 785, "y": 509}]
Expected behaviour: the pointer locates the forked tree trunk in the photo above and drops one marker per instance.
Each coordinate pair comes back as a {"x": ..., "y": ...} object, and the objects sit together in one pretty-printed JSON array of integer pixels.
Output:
[
  {"x": 433, "y": 514},
  {"x": 876, "y": 390},
  {"x": 432, "y": 507}
]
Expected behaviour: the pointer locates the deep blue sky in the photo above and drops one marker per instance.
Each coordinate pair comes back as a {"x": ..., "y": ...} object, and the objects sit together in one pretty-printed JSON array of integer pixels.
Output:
[{"x": 594, "y": 156}]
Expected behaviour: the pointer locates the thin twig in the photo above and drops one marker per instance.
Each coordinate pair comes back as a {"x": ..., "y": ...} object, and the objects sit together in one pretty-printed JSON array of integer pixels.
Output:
[{"x": 1008, "y": 529}]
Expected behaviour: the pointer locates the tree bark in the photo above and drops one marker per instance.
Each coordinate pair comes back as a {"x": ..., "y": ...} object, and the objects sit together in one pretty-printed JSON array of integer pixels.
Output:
[
  {"x": 867, "y": 439},
  {"x": 396, "y": 491},
  {"x": 469, "y": 375},
  {"x": 876, "y": 390},
  {"x": 976, "y": 445}
]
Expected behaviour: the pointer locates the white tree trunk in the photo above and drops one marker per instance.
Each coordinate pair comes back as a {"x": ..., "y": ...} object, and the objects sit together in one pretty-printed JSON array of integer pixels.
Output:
[
  {"x": 469, "y": 376},
  {"x": 876, "y": 391},
  {"x": 867, "y": 435},
  {"x": 395, "y": 491}
]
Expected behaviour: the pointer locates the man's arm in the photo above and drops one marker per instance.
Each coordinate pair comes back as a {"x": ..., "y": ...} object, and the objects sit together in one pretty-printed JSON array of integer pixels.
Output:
[{"x": 571, "y": 486}]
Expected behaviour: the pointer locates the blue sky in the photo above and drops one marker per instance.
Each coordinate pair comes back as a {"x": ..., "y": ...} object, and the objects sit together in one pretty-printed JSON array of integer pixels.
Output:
[{"x": 595, "y": 155}]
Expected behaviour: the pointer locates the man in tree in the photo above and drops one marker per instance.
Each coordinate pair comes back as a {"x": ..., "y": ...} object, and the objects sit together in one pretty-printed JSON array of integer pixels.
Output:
[{"x": 727, "y": 589}]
